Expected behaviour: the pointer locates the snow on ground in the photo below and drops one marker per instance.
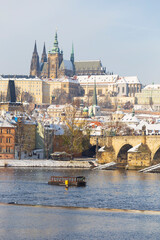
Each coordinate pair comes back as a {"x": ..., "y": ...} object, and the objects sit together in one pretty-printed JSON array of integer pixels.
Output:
[{"x": 44, "y": 163}]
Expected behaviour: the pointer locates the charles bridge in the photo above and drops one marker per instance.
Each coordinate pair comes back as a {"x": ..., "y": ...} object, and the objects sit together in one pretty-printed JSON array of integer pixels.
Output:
[{"x": 132, "y": 151}]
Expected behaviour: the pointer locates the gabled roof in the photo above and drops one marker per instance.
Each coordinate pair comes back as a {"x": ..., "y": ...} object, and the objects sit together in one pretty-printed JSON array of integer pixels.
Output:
[
  {"x": 66, "y": 65},
  {"x": 44, "y": 67},
  {"x": 152, "y": 86},
  {"x": 88, "y": 65},
  {"x": 130, "y": 79}
]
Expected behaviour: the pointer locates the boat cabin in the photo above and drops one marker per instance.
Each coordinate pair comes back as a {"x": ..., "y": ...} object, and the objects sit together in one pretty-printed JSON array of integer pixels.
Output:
[{"x": 72, "y": 181}]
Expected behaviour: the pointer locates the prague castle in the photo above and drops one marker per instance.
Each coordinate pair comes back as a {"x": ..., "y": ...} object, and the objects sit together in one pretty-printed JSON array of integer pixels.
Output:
[
  {"x": 54, "y": 66},
  {"x": 53, "y": 78}
]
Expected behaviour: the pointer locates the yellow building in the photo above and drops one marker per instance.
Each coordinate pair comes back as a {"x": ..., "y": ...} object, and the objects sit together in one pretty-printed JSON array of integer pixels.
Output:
[
  {"x": 23, "y": 85},
  {"x": 62, "y": 112},
  {"x": 150, "y": 95},
  {"x": 37, "y": 90},
  {"x": 52, "y": 88}
]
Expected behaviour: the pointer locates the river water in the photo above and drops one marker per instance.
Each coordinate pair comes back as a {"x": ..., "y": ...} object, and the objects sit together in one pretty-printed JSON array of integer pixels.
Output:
[{"x": 104, "y": 189}]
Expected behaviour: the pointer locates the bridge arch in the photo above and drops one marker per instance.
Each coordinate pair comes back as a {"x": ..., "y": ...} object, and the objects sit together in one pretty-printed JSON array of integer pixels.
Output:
[
  {"x": 122, "y": 154},
  {"x": 91, "y": 152},
  {"x": 156, "y": 156}
]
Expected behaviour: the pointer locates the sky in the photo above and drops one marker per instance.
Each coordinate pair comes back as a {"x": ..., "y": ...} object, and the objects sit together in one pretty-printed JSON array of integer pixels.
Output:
[{"x": 123, "y": 34}]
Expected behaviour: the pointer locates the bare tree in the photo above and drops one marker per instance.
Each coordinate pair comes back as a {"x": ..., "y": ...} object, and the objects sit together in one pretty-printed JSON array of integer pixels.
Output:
[
  {"x": 2, "y": 97},
  {"x": 25, "y": 96},
  {"x": 74, "y": 139},
  {"x": 60, "y": 96},
  {"x": 48, "y": 140},
  {"x": 18, "y": 93},
  {"x": 19, "y": 138}
]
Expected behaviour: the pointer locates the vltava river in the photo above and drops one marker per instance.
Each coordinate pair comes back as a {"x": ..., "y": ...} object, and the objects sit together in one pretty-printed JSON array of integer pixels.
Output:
[{"x": 105, "y": 189}]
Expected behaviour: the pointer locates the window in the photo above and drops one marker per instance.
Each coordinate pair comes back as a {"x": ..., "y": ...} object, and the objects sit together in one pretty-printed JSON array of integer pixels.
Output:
[
  {"x": 8, "y": 130},
  {"x": 90, "y": 92},
  {"x": 1, "y": 130},
  {"x": 99, "y": 91},
  {"x": 8, "y": 140},
  {"x": 122, "y": 89},
  {"x": 8, "y": 149},
  {"x": 0, "y": 140}
]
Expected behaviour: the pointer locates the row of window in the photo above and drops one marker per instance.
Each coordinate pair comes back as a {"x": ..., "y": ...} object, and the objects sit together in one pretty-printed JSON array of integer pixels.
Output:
[
  {"x": 8, "y": 140},
  {"x": 7, "y": 150},
  {"x": 4, "y": 130}
]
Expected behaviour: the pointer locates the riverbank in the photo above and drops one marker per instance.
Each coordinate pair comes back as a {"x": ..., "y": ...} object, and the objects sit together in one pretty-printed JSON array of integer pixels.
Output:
[{"x": 47, "y": 163}]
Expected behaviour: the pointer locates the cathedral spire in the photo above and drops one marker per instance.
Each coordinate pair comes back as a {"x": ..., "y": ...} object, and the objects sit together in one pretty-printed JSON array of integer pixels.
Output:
[
  {"x": 94, "y": 95},
  {"x": 56, "y": 39},
  {"x": 35, "y": 48},
  {"x": 55, "y": 48},
  {"x": 72, "y": 54},
  {"x": 44, "y": 55},
  {"x": 34, "y": 68}
]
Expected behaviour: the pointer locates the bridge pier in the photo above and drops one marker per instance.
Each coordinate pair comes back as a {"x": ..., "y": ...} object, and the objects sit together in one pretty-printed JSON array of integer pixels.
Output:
[
  {"x": 134, "y": 151},
  {"x": 107, "y": 155}
]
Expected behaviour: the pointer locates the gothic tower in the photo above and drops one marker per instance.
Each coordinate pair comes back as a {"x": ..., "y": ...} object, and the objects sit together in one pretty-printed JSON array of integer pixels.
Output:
[
  {"x": 44, "y": 55},
  {"x": 34, "y": 68},
  {"x": 55, "y": 58},
  {"x": 72, "y": 59}
]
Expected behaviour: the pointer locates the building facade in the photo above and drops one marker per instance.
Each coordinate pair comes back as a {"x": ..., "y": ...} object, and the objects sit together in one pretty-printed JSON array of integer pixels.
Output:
[
  {"x": 7, "y": 140},
  {"x": 113, "y": 85},
  {"x": 150, "y": 95}
]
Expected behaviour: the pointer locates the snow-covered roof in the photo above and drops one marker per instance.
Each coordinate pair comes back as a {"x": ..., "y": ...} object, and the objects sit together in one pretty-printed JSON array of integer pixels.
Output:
[
  {"x": 102, "y": 149},
  {"x": 135, "y": 149},
  {"x": 58, "y": 129},
  {"x": 107, "y": 79},
  {"x": 98, "y": 78},
  {"x": 130, "y": 79},
  {"x": 63, "y": 79},
  {"x": 56, "y": 107},
  {"x": 20, "y": 79},
  {"x": 121, "y": 80},
  {"x": 152, "y": 86},
  {"x": 129, "y": 118},
  {"x": 5, "y": 123},
  {"x": 149, "y": 127}
]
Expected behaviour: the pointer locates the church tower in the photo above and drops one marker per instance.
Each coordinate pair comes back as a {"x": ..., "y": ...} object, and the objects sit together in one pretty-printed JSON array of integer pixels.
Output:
[
  {"x": 34, "y": 69},
  {"x": 72, "y": 59},
  {"x": 44, "y": 55},
  {"x": 55, "y": 58}
]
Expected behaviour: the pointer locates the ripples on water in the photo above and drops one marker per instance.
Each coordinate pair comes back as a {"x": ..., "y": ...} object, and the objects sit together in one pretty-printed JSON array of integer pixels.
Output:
[{"x": 105, "y": 189}]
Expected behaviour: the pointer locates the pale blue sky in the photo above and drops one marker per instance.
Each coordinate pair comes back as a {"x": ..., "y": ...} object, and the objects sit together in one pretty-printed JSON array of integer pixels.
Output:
[{"x": 124, "y": 34}]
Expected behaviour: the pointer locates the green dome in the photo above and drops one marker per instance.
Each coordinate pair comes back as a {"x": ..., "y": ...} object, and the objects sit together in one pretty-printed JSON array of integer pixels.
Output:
[{"x": 85, "y": 109}]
